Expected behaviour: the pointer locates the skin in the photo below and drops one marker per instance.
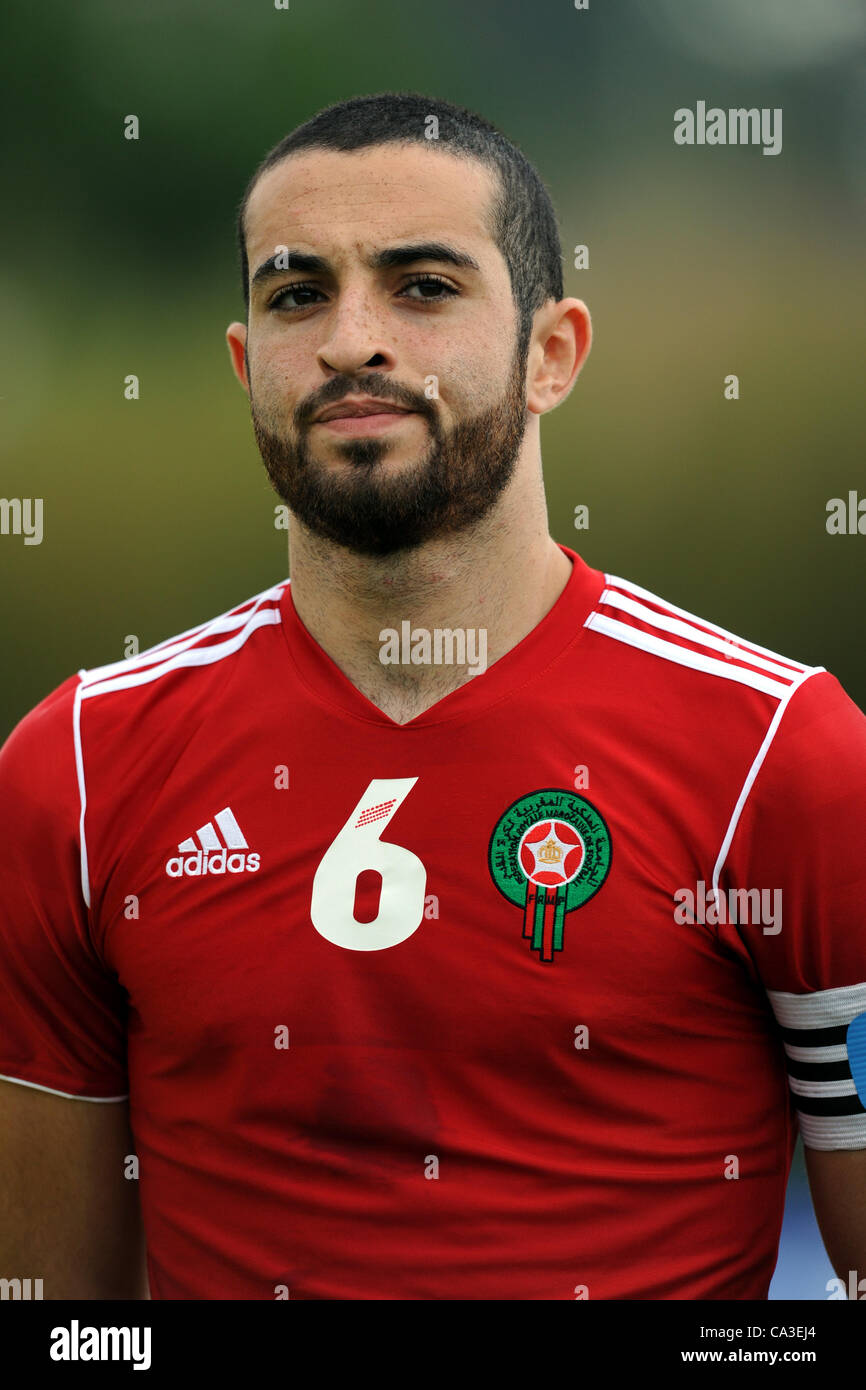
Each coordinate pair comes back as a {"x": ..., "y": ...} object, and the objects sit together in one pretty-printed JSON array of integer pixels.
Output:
[
  {"x": 837, "y": 1180},
  {"x": 68, "y": 1216},
  {"x": 502, "y": 574}
]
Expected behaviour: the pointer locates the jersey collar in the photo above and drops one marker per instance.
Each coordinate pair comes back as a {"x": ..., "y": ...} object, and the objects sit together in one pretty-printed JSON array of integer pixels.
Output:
[{"x": 528, "y": 661}]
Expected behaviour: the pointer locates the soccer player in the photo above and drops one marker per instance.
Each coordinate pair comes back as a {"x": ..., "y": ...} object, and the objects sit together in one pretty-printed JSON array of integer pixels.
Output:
[{"x": 455, "y": 921}]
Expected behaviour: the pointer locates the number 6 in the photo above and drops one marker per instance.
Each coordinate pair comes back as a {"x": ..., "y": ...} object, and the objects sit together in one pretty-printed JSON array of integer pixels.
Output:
[{"x": 358, "y": 847}]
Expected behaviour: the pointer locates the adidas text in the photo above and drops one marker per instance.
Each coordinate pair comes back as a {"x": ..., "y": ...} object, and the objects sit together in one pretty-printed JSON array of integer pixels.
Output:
[{"x": 199, "y": 863}]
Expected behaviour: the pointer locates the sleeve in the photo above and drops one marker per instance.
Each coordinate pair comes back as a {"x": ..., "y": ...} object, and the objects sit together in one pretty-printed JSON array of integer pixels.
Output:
[
  {"x": 800, "y": 840},
  {"x": 62, "y": 1012}
]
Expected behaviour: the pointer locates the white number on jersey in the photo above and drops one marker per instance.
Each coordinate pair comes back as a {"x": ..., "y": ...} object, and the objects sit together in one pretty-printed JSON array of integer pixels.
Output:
[{"x": 356, "y": 848}]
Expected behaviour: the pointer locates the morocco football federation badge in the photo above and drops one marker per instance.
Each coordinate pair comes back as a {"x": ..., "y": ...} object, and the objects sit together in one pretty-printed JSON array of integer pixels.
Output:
[{"x": 549, "y": 853}]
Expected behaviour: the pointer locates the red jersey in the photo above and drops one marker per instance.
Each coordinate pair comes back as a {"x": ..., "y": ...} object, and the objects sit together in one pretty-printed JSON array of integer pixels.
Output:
[{"x": 519, "y": 1000}]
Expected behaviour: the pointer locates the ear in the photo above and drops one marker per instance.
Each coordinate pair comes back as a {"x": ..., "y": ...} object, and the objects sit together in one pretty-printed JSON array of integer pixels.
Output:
[
  {"x": 561, "y": 339},
  {"x": 236, "y": 337}
]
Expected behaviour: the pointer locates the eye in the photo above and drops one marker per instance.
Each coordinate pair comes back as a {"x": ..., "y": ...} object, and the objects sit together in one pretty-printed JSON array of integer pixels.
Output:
[
  {"x": 437, "y": 283},
  {"x": 445, "y": 290},
  {"x": 300, "y": 288}
]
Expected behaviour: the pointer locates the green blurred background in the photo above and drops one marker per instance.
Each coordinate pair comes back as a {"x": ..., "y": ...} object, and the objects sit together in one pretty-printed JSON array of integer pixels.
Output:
[{"x": 703, "y": 262}]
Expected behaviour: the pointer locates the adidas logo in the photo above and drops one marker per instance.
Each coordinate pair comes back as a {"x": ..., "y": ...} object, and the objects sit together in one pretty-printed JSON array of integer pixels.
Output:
[{"x": 212, "y": 855}]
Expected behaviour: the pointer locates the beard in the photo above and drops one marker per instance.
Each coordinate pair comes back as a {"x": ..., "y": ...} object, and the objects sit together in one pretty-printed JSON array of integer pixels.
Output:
[{"x": 373, "y": 508}]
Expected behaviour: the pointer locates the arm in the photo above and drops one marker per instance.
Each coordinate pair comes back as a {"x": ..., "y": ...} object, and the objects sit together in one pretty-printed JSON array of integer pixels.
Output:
[
  {"x": 68, "y": 1215},
  {"x": 837, "y": 1180},
  {"x": 801, "y": 832}
]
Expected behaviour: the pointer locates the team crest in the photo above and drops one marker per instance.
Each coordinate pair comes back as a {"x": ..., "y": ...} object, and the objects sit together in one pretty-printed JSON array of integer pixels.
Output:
[{"x": 549, "y": 853}]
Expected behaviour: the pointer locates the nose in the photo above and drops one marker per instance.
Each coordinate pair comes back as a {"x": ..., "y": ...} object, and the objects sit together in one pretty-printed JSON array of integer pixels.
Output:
[{"x": 356, "y": 335}]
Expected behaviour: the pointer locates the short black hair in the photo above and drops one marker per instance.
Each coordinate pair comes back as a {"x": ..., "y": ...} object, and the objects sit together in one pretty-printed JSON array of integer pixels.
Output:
[{"x": 523, "y": 220}]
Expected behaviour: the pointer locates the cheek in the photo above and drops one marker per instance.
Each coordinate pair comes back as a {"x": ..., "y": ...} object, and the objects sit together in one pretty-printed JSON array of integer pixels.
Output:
[
  {"x": 473, "y": 381},
  {"x": 468, "y": 354},
  {"x": 276, "y": 372}
]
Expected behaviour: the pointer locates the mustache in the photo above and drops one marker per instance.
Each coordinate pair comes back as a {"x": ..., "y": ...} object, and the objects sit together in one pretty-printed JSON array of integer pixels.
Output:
[{"x": 371, "y": 385}]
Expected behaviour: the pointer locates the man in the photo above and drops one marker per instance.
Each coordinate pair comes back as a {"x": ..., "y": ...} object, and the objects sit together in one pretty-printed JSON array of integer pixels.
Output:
[{"x": 449, "y": 922}]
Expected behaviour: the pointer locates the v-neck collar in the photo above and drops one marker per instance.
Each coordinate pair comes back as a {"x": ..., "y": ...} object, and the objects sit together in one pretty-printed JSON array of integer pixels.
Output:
[{"x": 524, "y": 662}]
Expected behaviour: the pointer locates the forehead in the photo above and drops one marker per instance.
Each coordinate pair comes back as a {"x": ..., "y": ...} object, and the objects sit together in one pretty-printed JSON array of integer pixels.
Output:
[{"x": 336, "y": 199}]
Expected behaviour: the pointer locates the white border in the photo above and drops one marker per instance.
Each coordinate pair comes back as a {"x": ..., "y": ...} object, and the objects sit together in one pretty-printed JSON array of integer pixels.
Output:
[{"x": 68, "y": 1095}]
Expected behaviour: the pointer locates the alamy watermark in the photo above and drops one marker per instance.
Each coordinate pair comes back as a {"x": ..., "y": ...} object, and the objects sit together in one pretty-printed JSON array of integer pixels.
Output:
[
  {"x": 855, "y": 1291},
  {"x": 22, "y": 516},
  {"x": 23, "y": 1289},
  {"x": 77, "y": 1343},
  {"x": 737, "y": 126},
  {"x": 846, "y": 520},
  {"x": 755, "y": 906},
  {"x": 443, "y": 646}
]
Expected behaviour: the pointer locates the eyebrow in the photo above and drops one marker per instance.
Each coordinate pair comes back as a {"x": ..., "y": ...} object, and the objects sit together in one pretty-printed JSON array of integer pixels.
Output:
[{"x": 385, "y": 259}]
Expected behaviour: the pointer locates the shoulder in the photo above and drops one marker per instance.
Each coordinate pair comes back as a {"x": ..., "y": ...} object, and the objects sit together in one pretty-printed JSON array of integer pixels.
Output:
[
  {"x": 41, "y": 742},
  {"x": 188, "y": 659},
  {"x": 690, "y": 667},
  {"x": 670, "y": 641},
  {"x": 690, "y": 683},
  {"x": 177, "y": 673},
  {"x": 789, "y": 729},
  {"x": 104, "y": 741}
]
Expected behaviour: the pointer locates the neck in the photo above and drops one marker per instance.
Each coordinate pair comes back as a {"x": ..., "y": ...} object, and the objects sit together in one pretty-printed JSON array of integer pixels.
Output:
[{"x": 492, "y": 584}]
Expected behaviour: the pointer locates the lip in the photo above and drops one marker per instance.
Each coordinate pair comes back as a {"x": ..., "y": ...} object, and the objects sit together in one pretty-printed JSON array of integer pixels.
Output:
[
  {"x": 367, "y": 424},
  {"x": 356, "y": 406}
]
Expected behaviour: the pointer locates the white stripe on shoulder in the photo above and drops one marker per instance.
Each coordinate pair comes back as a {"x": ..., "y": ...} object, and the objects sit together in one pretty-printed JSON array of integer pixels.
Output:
[
  {"x": 685, "y": 656},
  {"x": 702, "y": 625},
  {"x": 731, "y": 650},
  {"x": 262, "y": 610},
  {"x": 69, "y": 1095},
  {"x": 184, "y": 650},
  {"x": 191, "y": 656}
]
